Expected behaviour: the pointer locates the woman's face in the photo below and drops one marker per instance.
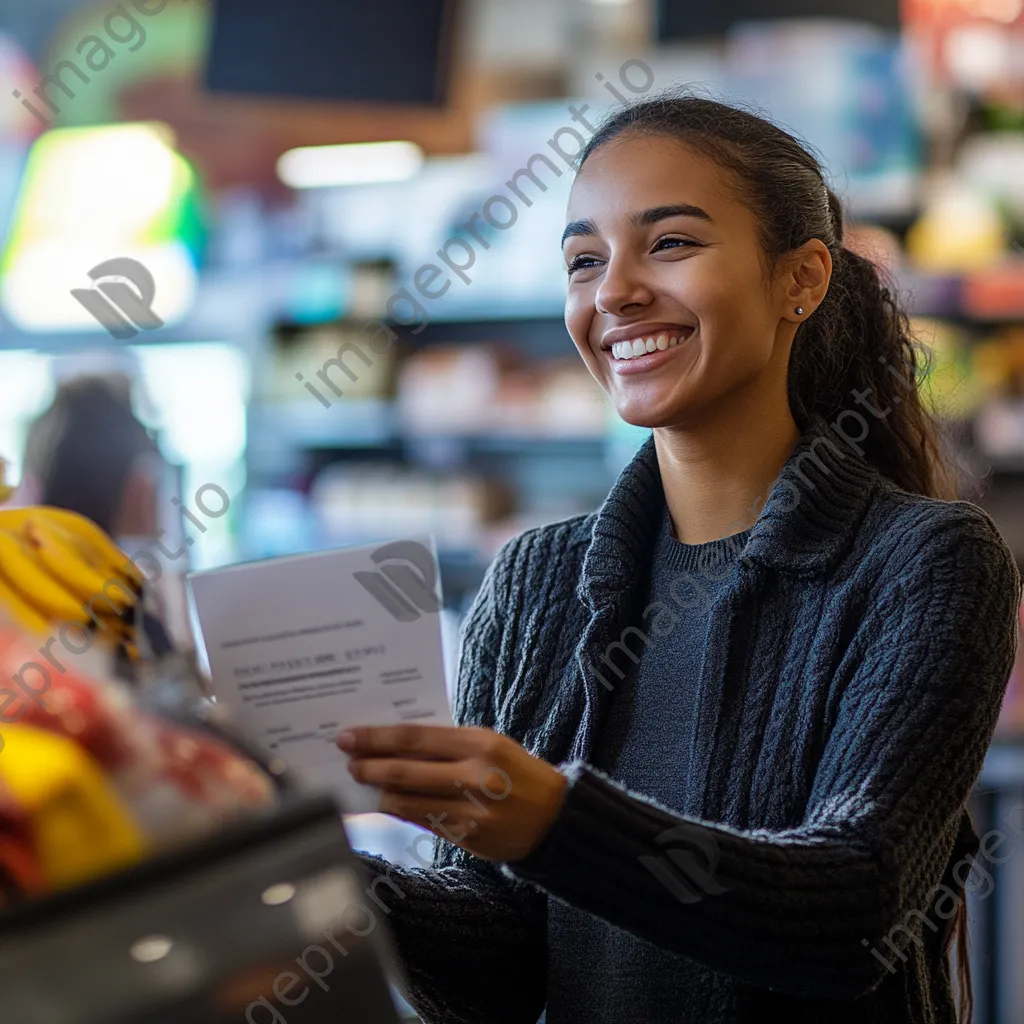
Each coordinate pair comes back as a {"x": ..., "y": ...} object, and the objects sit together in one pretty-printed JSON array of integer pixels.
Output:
[{"x": 663, "y": 257}]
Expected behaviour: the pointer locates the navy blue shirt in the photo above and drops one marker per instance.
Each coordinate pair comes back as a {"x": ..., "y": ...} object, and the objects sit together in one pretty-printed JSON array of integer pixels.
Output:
[
  {"x": 645, "y": 728},
  {"x": 644, "y": 744}
]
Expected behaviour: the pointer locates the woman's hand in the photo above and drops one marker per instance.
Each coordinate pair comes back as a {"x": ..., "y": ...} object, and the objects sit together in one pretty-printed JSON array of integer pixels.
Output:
[{"x": 476, "y": 788}]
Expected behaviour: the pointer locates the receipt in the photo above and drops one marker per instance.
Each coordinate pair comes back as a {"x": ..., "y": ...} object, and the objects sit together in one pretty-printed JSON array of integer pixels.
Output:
[{"x": 304, "y": 646}]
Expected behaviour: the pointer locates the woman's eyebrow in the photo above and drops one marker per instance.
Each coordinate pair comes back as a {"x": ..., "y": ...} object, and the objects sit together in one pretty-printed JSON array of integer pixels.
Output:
[
  {"x": 642, "y": 219},
  {"x": 578, "y": 227},
  {"x": 656, "y": 213}
]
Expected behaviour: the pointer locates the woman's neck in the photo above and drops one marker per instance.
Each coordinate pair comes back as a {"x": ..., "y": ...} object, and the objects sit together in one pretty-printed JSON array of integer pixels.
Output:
[{"x": 718, "y": 474}]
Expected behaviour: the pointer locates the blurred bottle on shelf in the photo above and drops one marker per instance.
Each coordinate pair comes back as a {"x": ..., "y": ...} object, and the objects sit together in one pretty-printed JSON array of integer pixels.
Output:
[
  {"x": 490, "y": 389},
  {"x": 353, "y": 503},
  {"x": 959, "y": 230}
]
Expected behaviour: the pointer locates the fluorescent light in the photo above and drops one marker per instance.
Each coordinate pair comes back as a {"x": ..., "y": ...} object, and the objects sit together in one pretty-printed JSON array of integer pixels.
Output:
[
  {"x": 36, "y": 294},
  {"x": 357, "y": 164}
]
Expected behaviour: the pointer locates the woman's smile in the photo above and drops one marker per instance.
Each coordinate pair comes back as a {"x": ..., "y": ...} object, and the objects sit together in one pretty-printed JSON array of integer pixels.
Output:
[{"x": 644, "y": 347}]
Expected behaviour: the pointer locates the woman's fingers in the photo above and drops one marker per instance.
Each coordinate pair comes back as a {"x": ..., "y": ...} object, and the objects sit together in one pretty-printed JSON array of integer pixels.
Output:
[
  {"x": 430, "y": 742},
  {"x": 438, "y": 778},
  {"x": 471, "y": 786},
  {"x": 454, "y": 821}
]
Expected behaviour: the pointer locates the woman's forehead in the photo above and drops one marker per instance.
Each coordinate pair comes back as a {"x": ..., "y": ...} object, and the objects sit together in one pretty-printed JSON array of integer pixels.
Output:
[{"x": 629, "y": 175}]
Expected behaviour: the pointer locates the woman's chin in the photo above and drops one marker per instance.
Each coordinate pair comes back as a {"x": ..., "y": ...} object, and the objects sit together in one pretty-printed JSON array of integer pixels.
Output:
[{"x": 651, "y": 414}]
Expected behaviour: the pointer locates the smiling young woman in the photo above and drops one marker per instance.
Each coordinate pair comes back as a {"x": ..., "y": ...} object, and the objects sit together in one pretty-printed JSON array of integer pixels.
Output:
[{"x": 774, "y": 786}]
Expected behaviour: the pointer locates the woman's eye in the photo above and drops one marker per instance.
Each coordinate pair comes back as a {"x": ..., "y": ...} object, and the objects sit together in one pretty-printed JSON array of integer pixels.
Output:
[
  {"x": 672, "y": 243},
  {"x": 582, "y": 263}
]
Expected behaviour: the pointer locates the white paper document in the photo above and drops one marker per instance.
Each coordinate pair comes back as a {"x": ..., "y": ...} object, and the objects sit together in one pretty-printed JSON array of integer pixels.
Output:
[{"x": 304, "y": 646}]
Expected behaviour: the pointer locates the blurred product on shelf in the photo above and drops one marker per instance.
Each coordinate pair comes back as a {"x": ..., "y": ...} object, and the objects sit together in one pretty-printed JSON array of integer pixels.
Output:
[
  {"x": 556, "y": 399},
  {"x": 999, "y": 363},
  {"x": 999, "y": 429},
  {"x": 451, "y": 389},
  {"x": 491, "y": 389},
  {"x": 960, "y": 229},
  {"x": 993, "y": 161},
  {"x": 90, "y": 780},
  {"x": 997, "y": 293},
  {"x": 858, "y": 111},
  {"x": 353, "y": 502},
  {"x": 331, "y": 361},
  {"x": 999, "y": 422}
]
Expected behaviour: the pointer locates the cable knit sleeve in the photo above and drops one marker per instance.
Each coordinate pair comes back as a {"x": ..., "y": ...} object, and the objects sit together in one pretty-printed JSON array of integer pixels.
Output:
[
  {"x": 799, "y": 910},
  {"x": 471, "y": 939}
]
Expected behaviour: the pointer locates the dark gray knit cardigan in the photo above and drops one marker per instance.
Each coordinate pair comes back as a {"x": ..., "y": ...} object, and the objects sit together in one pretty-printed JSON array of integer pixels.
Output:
[{"x": 857, "y": 662}]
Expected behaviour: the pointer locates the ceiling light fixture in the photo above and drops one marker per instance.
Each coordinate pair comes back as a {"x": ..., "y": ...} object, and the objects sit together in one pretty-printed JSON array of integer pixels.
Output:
[{"x": 360, "y": 163}]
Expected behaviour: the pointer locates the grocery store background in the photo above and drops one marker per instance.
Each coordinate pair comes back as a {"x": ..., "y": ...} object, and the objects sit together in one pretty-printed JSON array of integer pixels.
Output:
[{"x": 192, "y": 138}]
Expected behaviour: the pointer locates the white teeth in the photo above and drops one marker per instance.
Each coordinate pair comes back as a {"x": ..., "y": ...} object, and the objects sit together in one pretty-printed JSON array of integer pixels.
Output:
[{"x": 641, "y": 346}]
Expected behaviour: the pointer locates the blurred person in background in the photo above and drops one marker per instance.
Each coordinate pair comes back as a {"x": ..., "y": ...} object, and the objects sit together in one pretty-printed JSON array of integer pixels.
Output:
[
  {"x": 89, "y": 453},
  {"x": 768, "y": 668}
]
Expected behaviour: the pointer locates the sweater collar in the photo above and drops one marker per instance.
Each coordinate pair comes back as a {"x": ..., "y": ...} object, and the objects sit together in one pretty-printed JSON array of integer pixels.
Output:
[{"x": 808, "y": 520}]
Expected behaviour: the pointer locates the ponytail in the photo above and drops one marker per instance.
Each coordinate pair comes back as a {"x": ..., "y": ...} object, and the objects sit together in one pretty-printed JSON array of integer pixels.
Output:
[{"x": 856, "y": 351}]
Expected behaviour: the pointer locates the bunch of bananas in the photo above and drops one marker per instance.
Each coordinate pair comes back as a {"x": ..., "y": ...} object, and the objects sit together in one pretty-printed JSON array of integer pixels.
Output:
[{"x": 58, "y": 567}]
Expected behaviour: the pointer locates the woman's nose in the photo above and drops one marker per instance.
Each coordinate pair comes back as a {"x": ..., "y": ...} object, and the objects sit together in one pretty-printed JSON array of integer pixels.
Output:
[{"x": 622, "y": 287}]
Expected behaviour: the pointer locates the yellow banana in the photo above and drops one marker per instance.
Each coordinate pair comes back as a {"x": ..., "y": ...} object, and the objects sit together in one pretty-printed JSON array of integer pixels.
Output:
[
  {"x": 37, "y": 587},
  {"x": 57, "y": 553},
  {"x": 24, "y": 615},
  {"x": 95, "y": 545},
  {"x": 57, "y": 566},
  {"x": 103, "y": 599},
  {"x": 92, "y": 544}
]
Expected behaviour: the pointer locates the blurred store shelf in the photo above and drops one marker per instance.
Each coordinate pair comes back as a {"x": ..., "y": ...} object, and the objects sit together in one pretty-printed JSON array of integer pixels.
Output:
[{"x": 353, "y": 423}]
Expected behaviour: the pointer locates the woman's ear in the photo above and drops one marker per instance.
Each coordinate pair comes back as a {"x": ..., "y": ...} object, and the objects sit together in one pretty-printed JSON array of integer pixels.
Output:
[{"x": 809, "y": 270}]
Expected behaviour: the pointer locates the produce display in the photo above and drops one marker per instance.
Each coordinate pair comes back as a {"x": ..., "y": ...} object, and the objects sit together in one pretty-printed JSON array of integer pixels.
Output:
[{"x": 92, "y": 776}]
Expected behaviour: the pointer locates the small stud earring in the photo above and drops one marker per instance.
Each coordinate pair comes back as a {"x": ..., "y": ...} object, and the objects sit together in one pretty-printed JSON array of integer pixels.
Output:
[{"x": 799, "y": 310}]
